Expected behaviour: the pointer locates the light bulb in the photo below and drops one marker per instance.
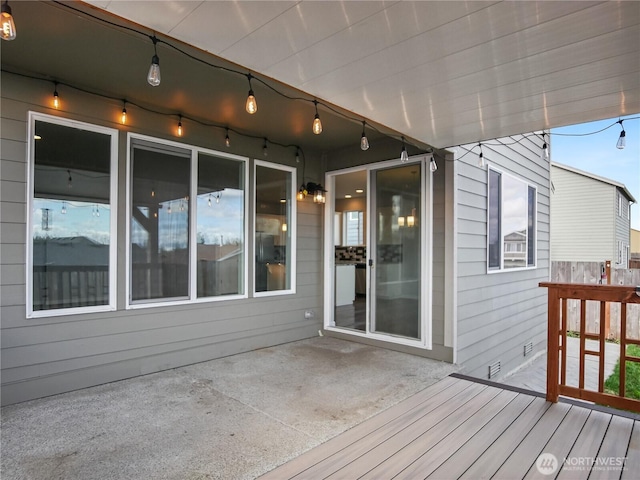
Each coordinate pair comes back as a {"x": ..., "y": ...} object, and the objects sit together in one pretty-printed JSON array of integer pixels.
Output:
[
  {"x": 404, "y": 156},
  {"x": 153, "y": 77},
  {"x": 433, "y": 165},
  {"x": 8, "y": 25},
  {"x": 252, "y": 105},
  {"x": 411, "y": 221},
  {"x": 180, "y": 127},
  {"x": 69, "y": 180},
  {"x": 622, "y": 140},
  {"x": 265, "y": 151},
  {"x": 64, "y": 208},
  {"x": 317, "y": 125},
  {"x": 480, "y": 160},
  {"x": 97, "y": 211},
  {"x": 56, "y": 98},
  {"x": 124, "y": 116},
  {"x": 209, "y": 200},
  {"x": 297, "y": 156},
  {"x": 284, "y": 227},
  {"x": 218, "y": 198},
  {"x": 401, "y": 221},
  {"x": 545, "y": 151},
  {"x": 227, "y": 140},
  {"x": 364, "y": 142}
]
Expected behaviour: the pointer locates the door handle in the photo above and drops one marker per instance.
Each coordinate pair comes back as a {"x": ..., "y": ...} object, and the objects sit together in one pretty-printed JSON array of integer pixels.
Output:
[{"x": 371, "y": 262}]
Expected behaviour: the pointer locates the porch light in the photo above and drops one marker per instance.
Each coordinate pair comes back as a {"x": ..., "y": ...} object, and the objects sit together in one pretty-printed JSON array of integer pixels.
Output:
[
  {"x": 401, "y": 221},
  {"x": 404, "y": 156},
  {"x": 8, "y": 25},
  {"x": 622, "y": 141},
  {"x": 315, "y": 189},
  {"x": 364, "y": 142},
  {"x": 153, "y": 77},
  {"x": 251, "y": 106},
  {"x": 317, "y": 124}
]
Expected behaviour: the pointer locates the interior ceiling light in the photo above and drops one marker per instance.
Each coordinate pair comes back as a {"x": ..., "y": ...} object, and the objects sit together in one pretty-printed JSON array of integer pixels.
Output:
[
  {"x": 622, "y": 140},
  {"x": 480, "y": 157},
  {"x": 56, "y": 98},
  {"x": 251, "y": 106},
  {"x": 359, "y": 190},
  {"x": 153, "y": 77},
  {"x": 404, "y": 156},
  {"x": 364, "y": 142},
  {"x": 123, "y": 119},
  {"x": 8, "y": 25},
  {"x": 317, "y": 124},
  {"x": 227, "y": 140}
]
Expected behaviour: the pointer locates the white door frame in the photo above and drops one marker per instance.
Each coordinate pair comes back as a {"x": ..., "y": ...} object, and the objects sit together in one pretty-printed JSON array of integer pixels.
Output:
[{"x": 425, "y": 342}]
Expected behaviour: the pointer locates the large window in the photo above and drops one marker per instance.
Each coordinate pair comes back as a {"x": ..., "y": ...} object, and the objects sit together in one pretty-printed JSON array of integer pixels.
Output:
[
  {"x": 187, "y": 227},
  {"x": 274, "y": 228},
  {"x": 160, "y": 180},
  {"x": 220, "y": 226},
  {"x": 511, "y": 229},
  {"x": 71, "y": 252}
]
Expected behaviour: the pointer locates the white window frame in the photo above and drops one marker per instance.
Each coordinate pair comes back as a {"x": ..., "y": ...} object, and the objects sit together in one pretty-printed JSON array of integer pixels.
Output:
[
  {"x": 113, "y": 205},
  {"x": 193, "y": 188},
  {"x": 292, "y": 228},
  {"x": 501, "y": 269}
]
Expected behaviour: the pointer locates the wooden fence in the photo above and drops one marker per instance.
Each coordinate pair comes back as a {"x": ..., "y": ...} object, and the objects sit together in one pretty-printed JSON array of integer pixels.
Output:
[{"x": 598, "y": 273}]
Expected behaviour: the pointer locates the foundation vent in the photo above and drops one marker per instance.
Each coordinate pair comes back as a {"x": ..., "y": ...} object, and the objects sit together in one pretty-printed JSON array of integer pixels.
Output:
[
  {"x": 528, "y": 348},
  {"x": 494, "y": 369}
]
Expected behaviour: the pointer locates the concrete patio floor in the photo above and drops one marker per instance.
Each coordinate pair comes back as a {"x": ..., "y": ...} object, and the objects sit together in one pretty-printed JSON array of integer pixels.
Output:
[{"x": 232, "y": 418}]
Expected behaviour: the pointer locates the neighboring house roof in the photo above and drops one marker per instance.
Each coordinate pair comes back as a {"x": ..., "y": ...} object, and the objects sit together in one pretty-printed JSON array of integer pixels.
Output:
[{"x": 618, "y": 185}]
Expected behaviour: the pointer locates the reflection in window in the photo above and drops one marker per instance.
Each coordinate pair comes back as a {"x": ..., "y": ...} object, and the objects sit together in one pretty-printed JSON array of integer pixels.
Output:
[
  {"x": 220, "y": 226},
  {"x": 273, "y": 227},
  {"x": 159, "y": 223},
  {"x": 511, "y": 223},
  {"x": 71, "y": 216}
]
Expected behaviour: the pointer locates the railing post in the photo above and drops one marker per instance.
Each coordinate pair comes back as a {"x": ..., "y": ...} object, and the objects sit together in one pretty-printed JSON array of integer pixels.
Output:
[{"x": 553, "y": 328}]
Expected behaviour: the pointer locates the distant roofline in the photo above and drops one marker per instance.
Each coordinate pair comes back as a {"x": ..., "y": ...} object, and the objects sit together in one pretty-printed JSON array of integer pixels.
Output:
[{"x": 596, "y": 177}]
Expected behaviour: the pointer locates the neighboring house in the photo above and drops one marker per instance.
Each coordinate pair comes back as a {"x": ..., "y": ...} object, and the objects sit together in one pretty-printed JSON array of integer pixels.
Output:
[
  {"x": 590, "y": 217},
  {"x": 456, "y": 255},
  {"x": 635, "y": 243}
]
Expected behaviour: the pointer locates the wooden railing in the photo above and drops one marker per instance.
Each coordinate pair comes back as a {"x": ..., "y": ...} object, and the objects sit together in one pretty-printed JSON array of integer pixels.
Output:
[{"x": 558, "y": 295}]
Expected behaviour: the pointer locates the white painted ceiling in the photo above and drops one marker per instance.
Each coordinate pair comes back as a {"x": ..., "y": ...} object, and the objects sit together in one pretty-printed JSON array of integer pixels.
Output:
[{"x": 442, "y": 72}]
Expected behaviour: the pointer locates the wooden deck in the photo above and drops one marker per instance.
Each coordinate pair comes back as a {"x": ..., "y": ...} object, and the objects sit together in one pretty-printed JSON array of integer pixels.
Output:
[{"x": 459, "y": 428}]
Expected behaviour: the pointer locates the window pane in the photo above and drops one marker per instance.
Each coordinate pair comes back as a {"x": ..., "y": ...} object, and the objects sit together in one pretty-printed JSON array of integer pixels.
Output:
[
  {"x": 495, "y": 206},
  {"x": 159, "y": 224},
  {"x": 220, "y": 226},
  {"x": 71, "y": 217},
  {"x": 272, "y": 229},
  {"x": 353, "y": 228},
  {"x": 514, "y": 221},
  {"x": 531, "y": 235}
]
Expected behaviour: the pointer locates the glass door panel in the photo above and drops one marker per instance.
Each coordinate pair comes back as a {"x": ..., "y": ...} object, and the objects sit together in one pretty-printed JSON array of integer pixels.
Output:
[{"x": 396, "y": 251}]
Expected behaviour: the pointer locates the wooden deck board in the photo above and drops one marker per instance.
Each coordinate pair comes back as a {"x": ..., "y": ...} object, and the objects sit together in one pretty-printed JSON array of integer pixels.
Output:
[
  {"x": 458, "y": 428},
  {"x": 632, "y": 463}
]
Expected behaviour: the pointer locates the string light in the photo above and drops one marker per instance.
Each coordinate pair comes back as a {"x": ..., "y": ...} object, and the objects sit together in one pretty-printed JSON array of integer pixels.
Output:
[
  {"x": 209, "y": 200},
  {"x": 297, "y": 155},
  {"x": 480, "y": 157},
  {"x": 433, "y": 165},
  {"x": 622, "y": 141},
  {"x": 227, "y": 140},
  {"x": 364, "y": 142},
  {"x": 317, "y": 124},
  {"x": 251, "y": 106},
  {"x": 265, "y": 151},
  {"x": 56, "y": 98},
  {"x": 153, "y": 77},
  {"x": 64, "y": 208},
  {"x": 8, "y": 25},
  {"x": 123, "y": 119},
  {"x": 544, "y": 154},
  {"x": 180, "y": 126},
  {"x": 404, "y": 156},
  {"x": 69, "y": 180}
]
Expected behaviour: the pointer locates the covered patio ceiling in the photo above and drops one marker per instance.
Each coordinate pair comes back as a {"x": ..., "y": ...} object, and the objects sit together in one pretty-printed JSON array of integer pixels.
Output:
[{"x": 442, "y": 72}]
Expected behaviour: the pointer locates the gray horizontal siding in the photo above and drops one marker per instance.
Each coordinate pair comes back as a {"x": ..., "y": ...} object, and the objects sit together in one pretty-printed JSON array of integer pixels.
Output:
[
  {"x": 499, "y": 312},
  {"x": 45, "y": 356}
]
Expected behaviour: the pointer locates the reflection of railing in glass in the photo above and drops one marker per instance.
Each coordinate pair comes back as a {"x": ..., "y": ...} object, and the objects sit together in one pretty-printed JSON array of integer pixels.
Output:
[{"x": 70, "y": 286}]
